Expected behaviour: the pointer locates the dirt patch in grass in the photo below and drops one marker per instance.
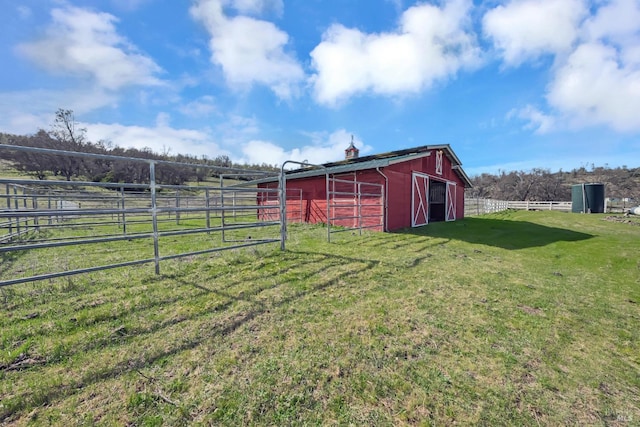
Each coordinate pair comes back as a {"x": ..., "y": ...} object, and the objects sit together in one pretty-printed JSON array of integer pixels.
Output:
[
  {"x": 531, "y": 310},
  {"x": 21, "y": 362},
  {"x": 623, "y": 219}
]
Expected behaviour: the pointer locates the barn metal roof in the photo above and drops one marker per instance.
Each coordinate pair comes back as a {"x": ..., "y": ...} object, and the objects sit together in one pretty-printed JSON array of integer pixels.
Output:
[{"x": 376, "y": 161}]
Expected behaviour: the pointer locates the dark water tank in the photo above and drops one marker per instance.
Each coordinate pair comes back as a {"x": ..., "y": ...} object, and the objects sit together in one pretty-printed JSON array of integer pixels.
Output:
[{"x": 587, "y": 198}]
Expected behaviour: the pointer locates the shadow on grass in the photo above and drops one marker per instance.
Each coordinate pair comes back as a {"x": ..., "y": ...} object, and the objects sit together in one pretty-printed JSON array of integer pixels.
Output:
[
  {"x": 506, "y": 234},
  {"x": 219, "y": 320}
]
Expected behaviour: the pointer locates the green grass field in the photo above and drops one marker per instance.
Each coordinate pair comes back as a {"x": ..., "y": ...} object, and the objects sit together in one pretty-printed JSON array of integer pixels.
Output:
[{"x": 516, "y": 318}]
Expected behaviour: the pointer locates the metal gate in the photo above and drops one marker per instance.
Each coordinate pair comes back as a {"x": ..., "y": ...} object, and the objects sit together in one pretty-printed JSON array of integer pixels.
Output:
[{"x": 354, "y": 205}]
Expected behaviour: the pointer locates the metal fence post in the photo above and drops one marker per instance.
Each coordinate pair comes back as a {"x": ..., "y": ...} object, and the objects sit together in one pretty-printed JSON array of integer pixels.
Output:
[
  {"x": 50, "y": 221},
  {"x": 34, "y": 206},
  {"x": 222, "y": 216},
  {"x": 178, "y": 207},
  {"x": 360, "y": 208},
  {"x": 15, "y": 204},
  {"x": 124, "y": 219},
  {"x": 328, "y": 208},
  {"x": 208, "y": 212},
  {"x": 283, "y": 209},
  {"x": 301, "y": 208},
  {"x": 8, "y": 192},
  {"x": 154, "y": 215},
  {"x": 233, "y": 202}
]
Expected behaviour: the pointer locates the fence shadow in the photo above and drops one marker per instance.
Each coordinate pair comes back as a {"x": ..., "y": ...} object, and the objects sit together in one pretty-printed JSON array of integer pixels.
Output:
[
  {"x": 240, "y": 302},
  {"x": 505, "y": 234}
]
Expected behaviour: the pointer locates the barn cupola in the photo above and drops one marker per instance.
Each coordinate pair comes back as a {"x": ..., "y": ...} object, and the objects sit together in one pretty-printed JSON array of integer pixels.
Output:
[{"x": 351, "y": 152}]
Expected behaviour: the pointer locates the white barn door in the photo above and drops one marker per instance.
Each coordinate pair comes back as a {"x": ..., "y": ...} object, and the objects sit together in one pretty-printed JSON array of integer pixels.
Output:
[
  {"x": 419, "y": 199},
  {"x": 451, "y": 201}
]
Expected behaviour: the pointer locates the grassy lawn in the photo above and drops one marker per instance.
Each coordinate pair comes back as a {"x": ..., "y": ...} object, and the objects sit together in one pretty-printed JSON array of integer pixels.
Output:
[{"x": 516, "y": 318}]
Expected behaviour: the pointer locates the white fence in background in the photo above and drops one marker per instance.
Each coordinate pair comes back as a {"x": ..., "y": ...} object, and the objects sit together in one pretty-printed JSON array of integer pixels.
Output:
[{"x": 484, "y": 206}]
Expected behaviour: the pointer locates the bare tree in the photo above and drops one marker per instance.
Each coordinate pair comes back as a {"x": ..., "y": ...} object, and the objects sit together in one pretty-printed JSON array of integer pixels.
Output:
[{"x": 68, "y": 137}]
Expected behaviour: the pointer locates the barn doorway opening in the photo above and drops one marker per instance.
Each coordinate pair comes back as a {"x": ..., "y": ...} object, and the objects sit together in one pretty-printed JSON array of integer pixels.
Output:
[
  {"x": 432, "y": 200},
  {"x": 437, "y": 201}
]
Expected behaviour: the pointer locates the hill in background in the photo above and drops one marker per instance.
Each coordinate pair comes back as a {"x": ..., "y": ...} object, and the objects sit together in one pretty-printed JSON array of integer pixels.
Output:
[{"x": 541, "y": 184}]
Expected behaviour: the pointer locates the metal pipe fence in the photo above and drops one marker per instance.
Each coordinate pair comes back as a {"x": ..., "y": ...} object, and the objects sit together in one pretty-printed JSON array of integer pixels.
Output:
[
  {"x": 127, "y": 224},
  {"x": 353, "y": 205}
]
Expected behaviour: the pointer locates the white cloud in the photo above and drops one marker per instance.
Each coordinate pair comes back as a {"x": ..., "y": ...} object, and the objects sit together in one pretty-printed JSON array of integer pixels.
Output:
[
  {"x": 431, "y": 43},
  {"x": 84, "y": 43},
  {"x": 536, "y": 120},
  {"x": 397, "y": 4},
  {"x": 323, "y": 148},
  {"x": 250, "y": 51},
  {"x": 526, "y": 29},
  {"x": 201, "y": 107},
  {"x": 595, "y": 79},
  {"x": 599, "y": 82},
  {"x": 236, "y": 130},
  {"x": 595, "y": 86},
  {"x": 617, "y": 20},
  {"x": 256, "y": 7},
  {"x": 159, "y": 139}
]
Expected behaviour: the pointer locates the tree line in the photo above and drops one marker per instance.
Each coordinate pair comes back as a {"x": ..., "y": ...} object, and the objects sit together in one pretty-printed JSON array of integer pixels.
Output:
[
  {"x": 65, "y": 135},
  {"x": 534, "y": 185},
  {"x": 543, "y": 185}
]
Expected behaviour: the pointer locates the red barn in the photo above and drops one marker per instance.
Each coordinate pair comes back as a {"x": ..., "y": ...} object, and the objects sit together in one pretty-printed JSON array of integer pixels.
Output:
[{"x": 385, "y": 192}]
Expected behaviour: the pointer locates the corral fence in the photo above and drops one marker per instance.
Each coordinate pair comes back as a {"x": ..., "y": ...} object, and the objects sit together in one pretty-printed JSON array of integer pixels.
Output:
[
  {"x": 128, "y": 224},
  {"x": 478, "y": 206},
  {"x": 21, "y": 196},
  {"x": 353, "y": 204},
  {"x": 347, "y": 205}
]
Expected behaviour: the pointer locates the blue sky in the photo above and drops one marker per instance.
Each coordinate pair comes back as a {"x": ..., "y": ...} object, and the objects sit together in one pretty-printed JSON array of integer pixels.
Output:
[{"x": 510, "y": 85}]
